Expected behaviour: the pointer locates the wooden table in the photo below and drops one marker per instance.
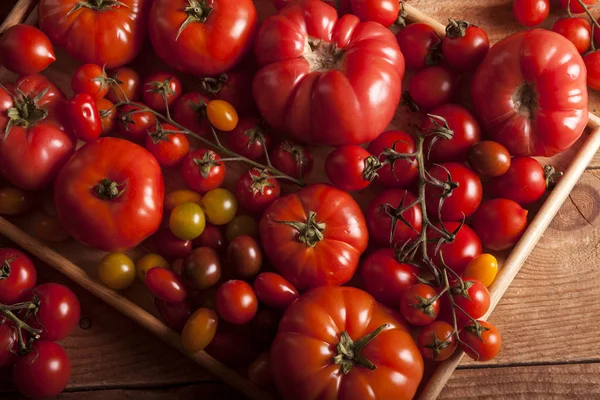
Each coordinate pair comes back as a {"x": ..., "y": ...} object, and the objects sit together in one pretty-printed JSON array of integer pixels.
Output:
[{"x": 548, "y": 318}]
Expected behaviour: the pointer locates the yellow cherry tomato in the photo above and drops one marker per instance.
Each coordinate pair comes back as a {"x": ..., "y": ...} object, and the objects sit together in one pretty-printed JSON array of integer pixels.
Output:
[
  {"x": 222, "y": 115},
  {"x": 148, "y": 262},
  {"x": 14, "y": 201},
  {"x": 241, "y": 225},
  {"x": 483, "y": 268},
  {"x": 178, "y": 197},
  {"x": 220, "y": 206},
  {"x": 199, "y": 330},
  {"x": 187, "y": 221},
  {"x": 117, "y": 271}
]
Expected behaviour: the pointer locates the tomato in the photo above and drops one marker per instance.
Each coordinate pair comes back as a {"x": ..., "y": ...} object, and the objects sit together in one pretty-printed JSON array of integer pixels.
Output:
[
  {"x": 100, "y": 32},
  {"x": 430, "y": 88},
  {"x": 83, "y": 116},
  {"x": 330, "y": 328},
  {"x": 178, "y": 197},
  {"x": 259, "y": 372},
  {"x": 117, "y": 271},
  {"x": 170, "y": 246},
  {"x": 8, "y": 345},
  {"x": 483, "y": 268},
  {"x": 44, "y": 372},
  {"x": 250, "y": 138},
  {"x": 437, "y": 341},
  {"x": 149, "y": 261},
  {"x": 190, "y": 112},
  {"x": 222, "y": 115},
  {"x": 517, "y": 101},
  {"x": 245, "y": 257},
  {"x": 48, "y": 228},
  {"x": 311, "y": 91},
  {"x": 574, "y": 6},
  {"x": 292, "y": 159},
  {"x": 212, "y": 237},
  {"x": 14, "y": 201},
  {"x": 169, "y": 148},
  {"x": 592, "y": 64},
  {"x": 110, "y": 195},
  {"x": 57, "y": 312},
  {"x": 489, "y": 159},
  {"x": 175, "y": 315},
  {"x": 386, "y": 278},
  {"x": 466, "y": 192},
  {"x": 386, "y": 147},
  {"x": 256, "y": 190},
  {"x": 25, "y": 50},
  {"x": 241, "y": 225},
  {"x": 420, "y": 45},
  {"x": 165, "y": 285},
  {"x": 481, "y": 340},
  {"x": 202, "y": 171},
  {"x": 315, "y": 236},
  {"x": 531, "y": 12},
  {"x": 90, "y": 79},
  {"x": 274, "y": 290},
  {"x": 236, "y": 302},
  {"x": 199, "y": 330},
  {"x": 220, "y": 206},
  {"x": 464, "y": 46},
  {"x": 108, "y": 114},
  {"x": 161, "y": 89},
  {"x": 524, "y": 182},
  {"x": 420, "y": 305},
  {"x": 457, "y": 253},
  {"x": 383, "y": 217},
  {"x": 187, "y": 221},
  {"x": 472, "y": 297},
  {"x": 17, "y": 276},
  {"x": 383, "y": 11},
  {"x": 499, "y": 223},
  {"x": 465, "y": 133},
  {"x": 134, "y": 122},
  {"x": 577, "y": 30},
  {"x": 264, "y": 326},
  {"x": 232, "y": 87},
  {"x": 201, "y": 268},
  {"x": 128, "y": 85},
  {"x": 351, "y": 167},
  {"x": 232, "y": 346},
  {"x": 37, "y": 135}
]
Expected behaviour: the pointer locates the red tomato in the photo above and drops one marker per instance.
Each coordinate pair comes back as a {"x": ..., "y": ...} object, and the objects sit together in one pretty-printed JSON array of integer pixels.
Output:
[
  {"x": 133, "y": 123},
  {"x": 199, "y": 38},
  {"x": 386, "y": 278},
  {"x": 383, "y": 11},
  {"x": 202, "y": 171},
  {"x": 236, "y": 302},
  {"x": 525, "y": 182},
  {"x": 312, "y": 91},
  {"x": 57, "y": 312},
  {"x": 25, "y": 50},
  {"x": 44, "y": 372},
  {"x": 420, "y": 305},
  {"x": 574, "y": 6},
  {"x": 516, "y": 100},
  {"x": 165, "y": 285},
  {"x": 457, "y": 253},
  {"x": 499, "y": 223},
  {"x": 577, "y": 30},
  {"x": 315, "y": 236},
  {"x": 437, "y": 341},
  {"x": 383, "y": 212},
  {"x": 128, "y": 85},
  {"x": 90, "y": 79},
  {"x": 430, "y": 88},
  {"x": 37, "y": 136},
  {"x": 386, "y": 147},
  {"x": 292, "y": 159},
  {"x": 482, "y": 341},
  {"x": 232, "y": 87},
  {"x": 159, "y": 84},
  {"x": 190, "y": 111},
  {"x": 464, "y": 46},
  {"x": 211, "y": 237},
  {"x": 531, "y": 12},
  {"x": 250, "y": 138},
  {"x": 169, "y": 148},
  {"x": 351, "y": 167},
  {"x": 465, "y": 133},
  {"x": 17, "y": 276},
  {"x": 420, "y": 45},
  {"x": 592, "y": 64},
  {"x": 169, "y": 246},
  {"x": 103, "y": 33},
  {"x": 256, "y": 190},
  {"x": 174, "y": 314},
  {"x": 8, "y": 345},
  {"x": 274, "y": 290},
  {"x": 108, "y": 114},
  {"x": 84, "y": 118},
  {"x": 466, "y": 192},
  {"x": 325, "y": 323},
  {"x": 125, "y": 205},
  {"x": 472, "y": 297}
]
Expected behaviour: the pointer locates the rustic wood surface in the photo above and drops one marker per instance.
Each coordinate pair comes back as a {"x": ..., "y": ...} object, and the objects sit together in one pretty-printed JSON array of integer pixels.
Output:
[{"x": 548, "y": 316}]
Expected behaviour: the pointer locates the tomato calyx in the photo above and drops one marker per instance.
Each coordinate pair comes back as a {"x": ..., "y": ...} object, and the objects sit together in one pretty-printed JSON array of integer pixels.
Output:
[
  {"x": 395, "y": 213},
  {"x": 476, "y": 329},
  {"x": 322, "y": 56},
  {"x": 462, "y": 289},
  {"x": 310, "y": 232},
  {"x": 25, "y": 111},
  {"x": 97, "y": 5},
  {"x": 197, "y": 11},
  {"x": 159, "y": 134},
  {"x": 456, "y": 29},
  {"x": 525, "y": 100},
  {"x": 5, "y": 268},
  {"x": 349, "y": 352},
  {"x": 10, "y": 312},
  {"x": 161, "y": 87},
  {"x": 212, "y": 86},
  {"x": 206, "y": 163},
  {"x": 107, "y": 189},
  {"x": 551, "y": 175},
  {"x": 425, "y": 306},
  {"x": 402, "y": 15},
  {"x": 437, "y": 345},
  {"x": 260, "y": 182},
  {"x": 372, "y": 165},
  {"x": 256, "y": 134},
  {"x": 435, "y": 55}
]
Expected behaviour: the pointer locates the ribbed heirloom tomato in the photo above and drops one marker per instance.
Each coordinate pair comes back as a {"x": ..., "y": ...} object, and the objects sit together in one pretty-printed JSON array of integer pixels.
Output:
[{"x": 324, "y": 80}]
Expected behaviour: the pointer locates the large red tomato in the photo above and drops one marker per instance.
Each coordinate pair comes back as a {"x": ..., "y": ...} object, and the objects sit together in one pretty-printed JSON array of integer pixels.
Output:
[
  {"x": 110, "y": 194},
  {"x": 322, "y": 349},
  {"x": 202, "y": 37},
  {"x": 33, "y": 143},
  {"x": 314, "y": 237},
  {"x": 324, "y": 80},
  {"x": 530, "y": 93},
  {"x": 103, "y": 32}
]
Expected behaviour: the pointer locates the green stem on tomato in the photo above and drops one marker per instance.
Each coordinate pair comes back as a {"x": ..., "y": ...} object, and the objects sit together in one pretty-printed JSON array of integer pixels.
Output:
[{"x": 19, "y": 325}]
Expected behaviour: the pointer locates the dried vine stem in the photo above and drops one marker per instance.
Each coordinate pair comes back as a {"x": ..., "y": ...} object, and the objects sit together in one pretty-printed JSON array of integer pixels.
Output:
[{"x": 10, "y": 313}]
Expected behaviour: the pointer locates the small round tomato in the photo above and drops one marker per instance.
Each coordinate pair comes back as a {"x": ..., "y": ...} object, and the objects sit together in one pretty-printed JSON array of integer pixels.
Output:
[
  {"x": 236, "y": 302},
  {"x": 178, "y": 197},
  {"x": 190, "y": 111},
  {"x": 90, "y": 79},
  {"x": 241, "y": 225},
  {"x": 187, "y": 221},
  {"x": 420, "y": 45},
  {"x": 84, "y": 118},
  {"x": 259, "y": 372},
  {"x": 165, "y": 285},
  {"x": 531, "y": 12},
  {"x": 202, "y": 171},
  {"x": 220, "y": 206},
  {"x": 430, "y": 88},
  {"x": 466, "y": 192},
  {"x": 420, "y": 305},
  {"x": 577, "y": 30},
  {"x": 275, "y": 291},
  {"x": 57, "y": 312},
  {"x": 25, "y": 50},
  {"x": 201, "y": 268},
  {"x": 256, "y": 190},
  {"x": 292, "y": 159},
  {"x": 386, "y": 278},
  {"x": 167, "y": 145},
  {"x": 574, "y": 5},
  {"x": 175, "y": 315},
  {"x": 135, "y": 123},
  {"x": 199, "y": 330},
  {"x": 14, "y": 201},
  {"x": 437, "y": 341},
  {"x": 17, "y": 275},
  {"x": 108, "y": 115},
  {"x": 386, "y": 148},
  {"x": 117, "y": 271},
  {"x": 524, "y": 182},
  {"x": 44, "y": 372},
  {"x": 147, "y": 262},
  {"x": 592, "y": 64},
  {"x": 245, "y": 257},
  {"x": 489, "y": 159},
  {"x": 464, "y": 46},
  {"x": 161, "y": 90},
  {"x": 472, "y": 297},
  {"x": 383, "y": 217},
  {"x": 212, "y": 237},
  {"x": 250, "y": 138},
  {"x": 8, "y": 345},
  {"x": 233, "y": 87},
  {"x": 48, "y": 228},
  {"x": 480, "y": 340},
  {"x": 499, "y": 223},
  {"x": 457, "y": 253},
  {"x": 221, "y": 115},
  {"x": 351, "y": 167},
  {"x": 170, "y": 246},
  {"x": 483, "y": 268},
  {"x": 128, "y": 85}
]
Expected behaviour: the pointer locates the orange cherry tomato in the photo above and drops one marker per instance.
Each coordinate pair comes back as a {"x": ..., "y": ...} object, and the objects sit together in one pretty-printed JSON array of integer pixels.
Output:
[{"x": 222, "y": 115}]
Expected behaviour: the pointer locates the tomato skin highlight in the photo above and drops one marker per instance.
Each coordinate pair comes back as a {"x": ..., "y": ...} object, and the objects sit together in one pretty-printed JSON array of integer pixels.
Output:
[
  {"x": 59, "y": 311},
  {"x": 165, "y": 285},
  {"x": 84, "y": 118},
  {"x": 275, "y": 291}
]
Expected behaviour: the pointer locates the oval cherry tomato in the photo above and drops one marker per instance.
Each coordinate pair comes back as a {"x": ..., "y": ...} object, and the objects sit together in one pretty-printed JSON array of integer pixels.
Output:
[
  {"x": 169, "y": 148},
  {"x": 211, "y": 237},
  {"x": 259, "y": 372},
  {"x": 133, "y": 123},
  {"x": 8, "y": 345},
  {"x": 465, "y": 198},
  {"x": 14, "y": 201},
  {"x": 236, "y": 302},
  {"x": 220, "y": 206},
  {"x": 58, "y": 311},
  {"x": 17, "y": 276},
  {"x": 464, "y": 46},
  {"x": 187, "y": 221},
  {"x": 419, "y": 305},
  {"x": 25, "y": 50},
  {"x": 149, "y": 261},
  {"x": 483, "y": 268},
  {"x": 489, "y": 159},
  {"x": 164, "y": 284},
  {"x": 524, "y": 182},
  {"x": 117, "y": 271},
  {"x": 384, "y": 226},
  {"x": 531, "y": 12},
  {"x": 292, "y": 159},
  {"x": 201, "y": 268},
  {"x": 170, "y": 246},
  {"x": 174, "y": 314},
  {"x": 245, "y": 257},
  {"x": 499, "y": 223},
  {"x": 592, "y": 64},
  {"x": 199, "y": 330},
  {"x": 437, "y": 341},
  {"x": 190, "y": 111},
  {"x": 457, "y": 253},
  {"x": 388, "y": 144},
  {"x": 232, "y": 87},
  {"x": 432, "y": 87},
  {"x": 577, "y": 30},
  {"x": 202, "y": 171},
  {"x": 275, "y": 291},
  {"x": 482, "y": 341},
  {"x": 420, "y": 45},
  {"x": 575, "y": 6},
  {"x": 84, "y": 118},
  {"x": 250, "y": 138},
  {"x": 351, "y": 167},
  {"x": 256, "y": 190},
  {"x": 473, "y": 297},
  {"x": 178, "y": 197},
  {"x": 128, "y": 83},
  {"x": 159, "y": 84},
  {"x": 222, "y": 115},
  {"x": 241, "y": 225},
  {"x": 90, "y": 79}
]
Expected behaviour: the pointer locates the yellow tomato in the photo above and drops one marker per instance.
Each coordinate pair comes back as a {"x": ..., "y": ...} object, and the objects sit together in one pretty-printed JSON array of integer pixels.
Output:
[
  {"x": 148, "y": 262},
  {"x": 222, "y": 115},
  {"x": 199, "y": 330},
  {"x": 178, "y": 197},
  {"x": 117, "y": 271},
  {"x": 220, "y": 206},
  {"x": 187, "y": 221},
  {"x": 484, "y": 268}
]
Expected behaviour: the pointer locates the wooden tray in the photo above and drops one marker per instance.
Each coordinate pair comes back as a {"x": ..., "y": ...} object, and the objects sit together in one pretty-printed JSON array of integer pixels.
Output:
[{"x": 79, "y": 263}]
